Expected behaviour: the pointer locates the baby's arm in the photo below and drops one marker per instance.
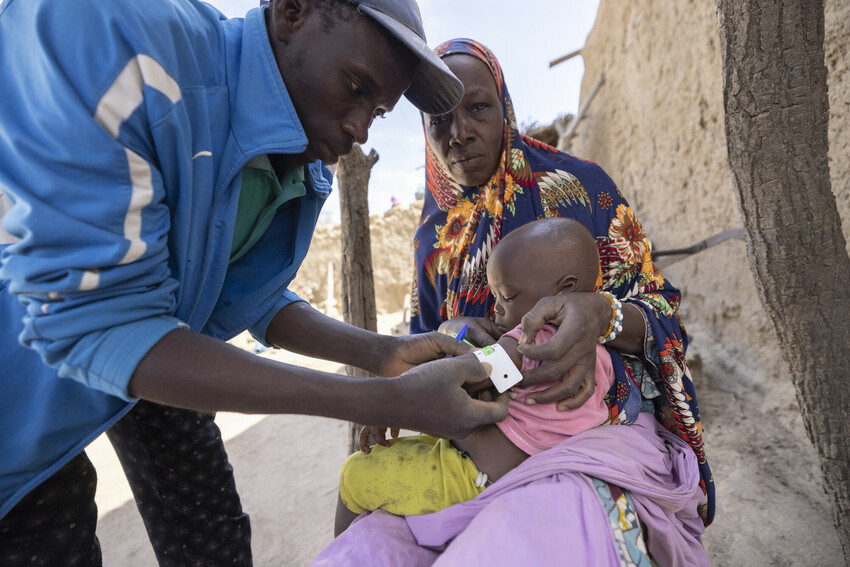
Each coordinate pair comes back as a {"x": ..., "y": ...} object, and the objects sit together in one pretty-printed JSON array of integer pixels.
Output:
[
  {"x": 490, "y": 450},
  {"x": 510, "y": 346},
  {"x": 377, "y": 434}
]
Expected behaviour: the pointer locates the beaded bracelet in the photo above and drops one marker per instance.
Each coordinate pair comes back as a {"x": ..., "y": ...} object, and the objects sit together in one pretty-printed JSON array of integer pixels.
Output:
[{"x": 616, "y": 324}]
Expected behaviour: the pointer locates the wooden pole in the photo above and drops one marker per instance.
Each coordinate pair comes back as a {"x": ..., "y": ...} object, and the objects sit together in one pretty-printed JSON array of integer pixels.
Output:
[
  {"x": 330, "y": 298},
  {"x": 566, "y": 135},
  {"x": 356, "y": 279},
  {"x": 564, "y": 58}
]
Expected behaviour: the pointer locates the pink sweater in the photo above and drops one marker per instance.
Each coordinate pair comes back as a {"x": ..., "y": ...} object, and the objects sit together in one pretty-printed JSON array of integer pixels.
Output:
[{"x": 539, "y": 427}]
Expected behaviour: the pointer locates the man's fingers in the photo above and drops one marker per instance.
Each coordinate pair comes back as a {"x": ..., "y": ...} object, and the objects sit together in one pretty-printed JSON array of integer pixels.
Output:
[
  {"x": 480, "y": 331},
  {"x": 450, "y": 345},
  {"x": 451, "y": 326},
  {"x": 472, "y": 371},
  {"x": 478, "y": 412},
  {"x": 489, "y": 412},
  {"x": 486, "y": 395},
  {"x": 504, "y": 397},
  {"x": 394, "y": 432},
  {"x": 481, "y": 337},
  {"x": 442, "y": 386}
]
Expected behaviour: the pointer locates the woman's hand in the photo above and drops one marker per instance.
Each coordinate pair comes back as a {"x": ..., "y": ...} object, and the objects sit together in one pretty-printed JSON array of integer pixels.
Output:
[
  {"x": 480, "y": 330},
  {"x": 408, "y": 351},
  {"x": 571, "y": 353}
]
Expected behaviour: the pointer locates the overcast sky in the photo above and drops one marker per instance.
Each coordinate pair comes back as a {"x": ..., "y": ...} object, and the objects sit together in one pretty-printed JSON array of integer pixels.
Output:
[{"x": 524, "y": 40}]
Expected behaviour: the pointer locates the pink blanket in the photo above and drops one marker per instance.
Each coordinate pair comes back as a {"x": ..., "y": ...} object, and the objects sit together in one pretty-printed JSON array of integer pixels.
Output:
[{"x": 546, "y": 512}]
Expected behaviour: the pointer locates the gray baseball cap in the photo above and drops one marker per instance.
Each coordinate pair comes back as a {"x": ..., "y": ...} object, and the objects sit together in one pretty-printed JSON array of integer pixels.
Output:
[{"x": 435, "y": 89}]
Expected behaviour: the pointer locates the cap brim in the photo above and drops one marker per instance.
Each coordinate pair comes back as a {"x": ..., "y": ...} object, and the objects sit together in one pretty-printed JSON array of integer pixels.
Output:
[{"x": 435, "y": 89}]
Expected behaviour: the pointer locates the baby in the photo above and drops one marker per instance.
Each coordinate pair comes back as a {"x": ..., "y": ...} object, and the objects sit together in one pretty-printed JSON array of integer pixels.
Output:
[{"x": 420, "y": 474}]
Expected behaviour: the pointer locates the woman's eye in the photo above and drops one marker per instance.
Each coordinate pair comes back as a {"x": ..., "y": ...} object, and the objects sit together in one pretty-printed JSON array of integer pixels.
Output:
[
  {"x": 439, "y": 119},
  {"x": 479, "y": 107}
]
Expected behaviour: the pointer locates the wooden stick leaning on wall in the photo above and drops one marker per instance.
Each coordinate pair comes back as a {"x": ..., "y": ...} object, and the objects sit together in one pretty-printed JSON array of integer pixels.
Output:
[
  {"x": 563, "y": 58},
  {"x": 566, "y": 133},
  {"x": 356, "y": 278}
]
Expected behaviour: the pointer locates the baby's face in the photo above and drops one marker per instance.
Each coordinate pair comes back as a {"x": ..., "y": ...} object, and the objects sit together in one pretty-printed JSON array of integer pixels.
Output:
[{"x": 517, "y": 283}]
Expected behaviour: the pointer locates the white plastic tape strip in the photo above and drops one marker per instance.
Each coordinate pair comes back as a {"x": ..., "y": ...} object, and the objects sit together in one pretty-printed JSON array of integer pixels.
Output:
[{"x": 504, "y": 373}]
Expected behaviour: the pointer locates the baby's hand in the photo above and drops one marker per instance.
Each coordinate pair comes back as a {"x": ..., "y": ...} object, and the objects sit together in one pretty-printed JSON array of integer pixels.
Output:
[{"x": 377, "y": 434}]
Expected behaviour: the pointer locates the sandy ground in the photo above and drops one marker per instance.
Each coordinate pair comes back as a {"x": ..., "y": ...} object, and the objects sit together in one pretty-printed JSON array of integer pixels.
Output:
[{"x": 771, "y": 508}]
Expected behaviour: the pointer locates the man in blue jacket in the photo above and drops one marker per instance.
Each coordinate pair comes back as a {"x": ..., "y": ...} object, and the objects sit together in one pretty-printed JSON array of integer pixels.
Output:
[{"x": 161, "y": 172}]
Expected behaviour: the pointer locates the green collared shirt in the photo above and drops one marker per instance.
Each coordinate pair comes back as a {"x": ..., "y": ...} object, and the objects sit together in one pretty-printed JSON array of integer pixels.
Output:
[{"x": 259, "y": 198}]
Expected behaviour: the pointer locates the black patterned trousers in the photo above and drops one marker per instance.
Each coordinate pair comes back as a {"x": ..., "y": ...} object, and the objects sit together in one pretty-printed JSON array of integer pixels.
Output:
[
  {"x": 55, "y": 523},
  {"x": 183, "y": 484},
  {"x": 181, "y": 479}
]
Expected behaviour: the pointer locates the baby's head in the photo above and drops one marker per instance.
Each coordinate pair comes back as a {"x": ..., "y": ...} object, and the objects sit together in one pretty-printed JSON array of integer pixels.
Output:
[{"x": 540, "y": 259}]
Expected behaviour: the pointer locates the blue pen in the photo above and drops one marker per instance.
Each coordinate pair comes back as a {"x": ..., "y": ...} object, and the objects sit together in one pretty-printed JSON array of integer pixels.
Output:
[
  {"x": 461, "y": 333},
  {"x": 459, "y": 336}
]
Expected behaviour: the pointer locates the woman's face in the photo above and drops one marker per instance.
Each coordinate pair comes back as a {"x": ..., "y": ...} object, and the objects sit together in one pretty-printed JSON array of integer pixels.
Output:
[{"x": 468, "y": 140}]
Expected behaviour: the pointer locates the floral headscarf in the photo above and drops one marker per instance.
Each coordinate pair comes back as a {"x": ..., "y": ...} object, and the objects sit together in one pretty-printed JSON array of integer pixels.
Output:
[{"x": 461, "y": 224}]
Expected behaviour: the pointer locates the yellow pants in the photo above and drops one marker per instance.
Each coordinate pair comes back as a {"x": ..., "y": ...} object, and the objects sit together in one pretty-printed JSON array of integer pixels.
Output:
[{"x": 415, "y": 475}]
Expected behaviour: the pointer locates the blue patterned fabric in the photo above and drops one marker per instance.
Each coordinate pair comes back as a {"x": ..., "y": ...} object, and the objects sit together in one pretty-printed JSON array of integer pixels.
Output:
[{"x": 625, "y": 526}]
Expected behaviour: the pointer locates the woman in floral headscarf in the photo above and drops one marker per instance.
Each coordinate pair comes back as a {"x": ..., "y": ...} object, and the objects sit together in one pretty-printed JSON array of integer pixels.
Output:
[
  {"x": 469, "y": 207},
  {"x": 484, "y": 180}
]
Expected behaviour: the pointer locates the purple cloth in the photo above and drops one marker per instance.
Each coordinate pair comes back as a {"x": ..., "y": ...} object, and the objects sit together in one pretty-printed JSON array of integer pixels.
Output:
[{"x": 545, "y": 511}]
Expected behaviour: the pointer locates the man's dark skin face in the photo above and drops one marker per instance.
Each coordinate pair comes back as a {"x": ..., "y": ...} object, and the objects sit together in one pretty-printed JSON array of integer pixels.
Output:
[{"x": 340, "y": 78}]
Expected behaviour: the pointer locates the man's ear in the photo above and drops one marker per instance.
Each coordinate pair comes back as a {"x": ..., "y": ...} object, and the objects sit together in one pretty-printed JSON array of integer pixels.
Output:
[
  {"x": 288, "y": 16},
  {"x": 567, "y": 284}
]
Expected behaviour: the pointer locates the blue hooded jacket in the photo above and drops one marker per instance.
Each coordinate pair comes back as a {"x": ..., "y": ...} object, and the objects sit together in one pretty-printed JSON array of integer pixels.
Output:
[{"x": 125, "y": 127}]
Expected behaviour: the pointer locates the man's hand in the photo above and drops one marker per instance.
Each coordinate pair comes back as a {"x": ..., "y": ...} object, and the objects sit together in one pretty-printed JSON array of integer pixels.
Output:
[
  {"x": 411, "y": 350},
  {"x": 480, "y": 330},
  {"x": 432, "y": 398},
  {"x": 571, "y": 353},
  {"x": 378, "y": 435}
]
